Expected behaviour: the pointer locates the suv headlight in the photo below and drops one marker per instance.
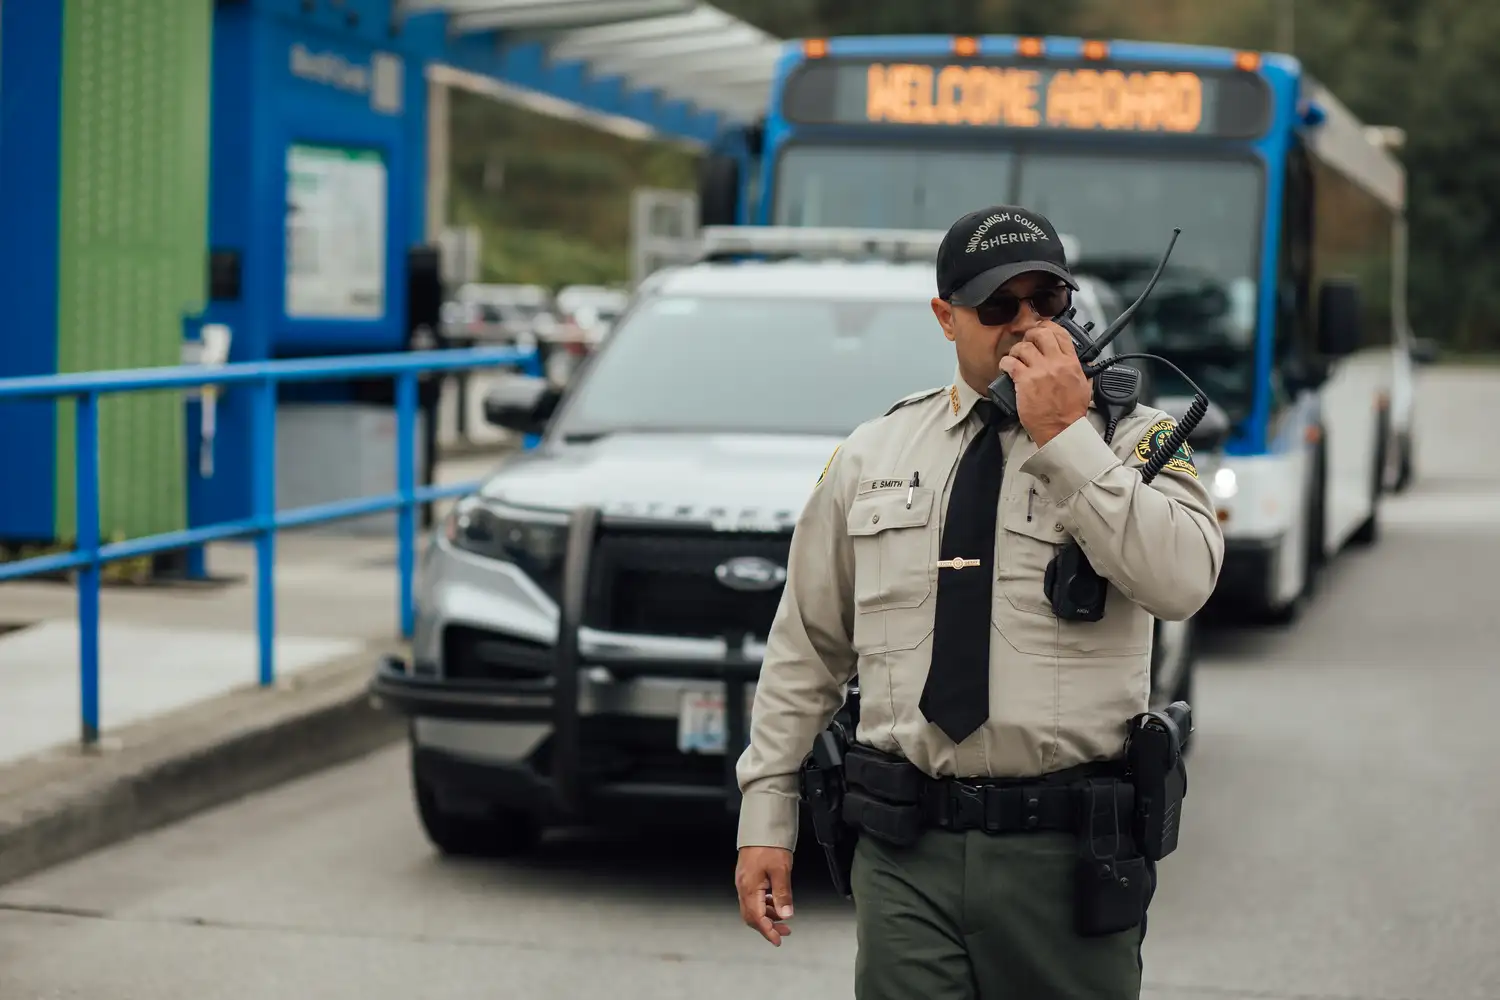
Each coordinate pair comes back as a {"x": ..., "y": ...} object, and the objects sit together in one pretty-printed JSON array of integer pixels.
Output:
[{"x": 533, "y": 541}]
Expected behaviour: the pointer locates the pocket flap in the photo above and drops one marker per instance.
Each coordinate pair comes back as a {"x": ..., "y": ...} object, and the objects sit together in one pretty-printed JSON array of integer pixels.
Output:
[
  {"x": 875, "y": 512},
  {"x": 1042, "y": 522}
]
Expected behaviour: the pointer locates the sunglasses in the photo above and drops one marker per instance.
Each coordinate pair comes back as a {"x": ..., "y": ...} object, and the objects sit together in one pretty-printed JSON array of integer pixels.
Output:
[{"x": 1002, "y": 307}]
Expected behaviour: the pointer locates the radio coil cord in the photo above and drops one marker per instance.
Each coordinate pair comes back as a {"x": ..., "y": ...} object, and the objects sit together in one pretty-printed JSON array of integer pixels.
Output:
[{"x": 1185, "y": 427}]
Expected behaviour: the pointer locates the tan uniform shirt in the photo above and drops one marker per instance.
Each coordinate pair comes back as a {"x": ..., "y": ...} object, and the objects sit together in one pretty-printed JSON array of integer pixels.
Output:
[{"x": 862, "y": 584}]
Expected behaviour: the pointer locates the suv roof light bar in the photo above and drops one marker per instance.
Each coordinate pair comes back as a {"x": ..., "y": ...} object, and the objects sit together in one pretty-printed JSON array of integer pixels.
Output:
[
  {"x": 811, "y": 242},
  {"x": 896, "y": 245}
]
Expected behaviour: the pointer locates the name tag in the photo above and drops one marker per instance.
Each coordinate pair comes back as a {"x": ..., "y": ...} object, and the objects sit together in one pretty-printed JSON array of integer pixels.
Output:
[{"x": 871, "y": 485}]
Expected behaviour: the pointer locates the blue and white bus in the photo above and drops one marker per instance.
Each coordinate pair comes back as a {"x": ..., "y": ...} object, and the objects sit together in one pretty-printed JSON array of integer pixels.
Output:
[{"x": 1285, "y": 296}]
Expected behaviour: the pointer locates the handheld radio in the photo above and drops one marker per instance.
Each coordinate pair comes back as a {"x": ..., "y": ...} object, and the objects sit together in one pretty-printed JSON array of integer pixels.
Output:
[{"x": 1073, "y": 586}]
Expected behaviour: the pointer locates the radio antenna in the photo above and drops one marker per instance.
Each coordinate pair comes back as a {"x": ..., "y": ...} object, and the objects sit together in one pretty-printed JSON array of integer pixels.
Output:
[{"x": 1113, "y": 330}]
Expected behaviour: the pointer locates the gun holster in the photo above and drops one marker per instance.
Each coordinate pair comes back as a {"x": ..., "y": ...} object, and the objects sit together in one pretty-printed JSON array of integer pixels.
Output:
[{"x": 822, "y": 786}]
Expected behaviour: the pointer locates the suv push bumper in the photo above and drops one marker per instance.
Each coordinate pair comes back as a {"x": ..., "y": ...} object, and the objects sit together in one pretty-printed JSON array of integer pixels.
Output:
[{"x": 571, "y": 774}]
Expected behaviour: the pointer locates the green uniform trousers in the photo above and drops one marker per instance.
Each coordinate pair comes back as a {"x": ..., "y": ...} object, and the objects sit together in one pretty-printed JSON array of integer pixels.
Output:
[{"x": 976, "y": 916}]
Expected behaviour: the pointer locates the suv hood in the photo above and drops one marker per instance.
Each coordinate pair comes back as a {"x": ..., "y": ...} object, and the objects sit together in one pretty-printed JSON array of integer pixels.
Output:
[{"x": 749, "y": 482}]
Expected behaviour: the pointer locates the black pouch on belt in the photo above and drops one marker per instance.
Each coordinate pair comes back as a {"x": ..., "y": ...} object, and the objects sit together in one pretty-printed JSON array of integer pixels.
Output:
[
  {"x": 889, "y": 778},
  {"x": 884, "y": 797},
  {"x": 1158, "y": 771},
  {"x": 1110, "y": 880}
]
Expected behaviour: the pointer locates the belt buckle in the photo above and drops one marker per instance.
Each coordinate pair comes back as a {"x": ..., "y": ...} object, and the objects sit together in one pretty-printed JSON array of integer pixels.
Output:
[{"x": 968, "y": 804}]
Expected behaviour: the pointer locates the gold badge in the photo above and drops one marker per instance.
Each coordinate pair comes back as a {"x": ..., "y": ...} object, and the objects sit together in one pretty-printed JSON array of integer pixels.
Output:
[
  {"x": 1156, "y": 436},
  {"x": 827, "y": 464},
  {"x": 953, "y": 398}
]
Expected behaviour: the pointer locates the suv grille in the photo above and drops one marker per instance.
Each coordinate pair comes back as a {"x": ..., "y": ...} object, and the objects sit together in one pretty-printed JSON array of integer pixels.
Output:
[{"x": 663, "y": 583}]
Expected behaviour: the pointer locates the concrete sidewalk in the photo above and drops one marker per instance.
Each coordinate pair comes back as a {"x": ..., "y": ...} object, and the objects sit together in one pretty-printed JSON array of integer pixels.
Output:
[{"x": 183, "y": 723}]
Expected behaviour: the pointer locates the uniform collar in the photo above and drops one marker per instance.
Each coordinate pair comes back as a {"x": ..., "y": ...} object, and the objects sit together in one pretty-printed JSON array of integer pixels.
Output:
[{"x": 961, "y": 399}]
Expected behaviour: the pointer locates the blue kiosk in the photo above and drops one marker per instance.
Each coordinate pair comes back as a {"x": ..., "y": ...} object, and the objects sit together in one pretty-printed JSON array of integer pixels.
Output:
[{"x": 292, "y": 155}]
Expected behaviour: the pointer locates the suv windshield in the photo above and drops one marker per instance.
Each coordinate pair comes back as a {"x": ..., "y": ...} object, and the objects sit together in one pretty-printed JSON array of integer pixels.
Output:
[
  {"x": 1121, "y": 209},
  {"x": 705, "y": 364}
]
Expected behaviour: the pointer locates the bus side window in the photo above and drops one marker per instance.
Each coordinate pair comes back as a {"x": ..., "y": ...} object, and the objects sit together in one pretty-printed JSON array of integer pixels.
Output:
[{"x": 1354, "y": 237}]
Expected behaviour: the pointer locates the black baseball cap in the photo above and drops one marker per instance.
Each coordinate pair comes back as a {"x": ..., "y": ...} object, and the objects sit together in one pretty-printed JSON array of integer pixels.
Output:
[{"x": 985, "y": 249}]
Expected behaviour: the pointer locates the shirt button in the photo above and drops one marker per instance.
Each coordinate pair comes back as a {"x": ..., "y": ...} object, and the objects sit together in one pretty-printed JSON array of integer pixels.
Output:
[
  {"x": 1044, "y": 480},
  {"x": 1057, "y": 527},
  {"x": 875, "y": 519}
]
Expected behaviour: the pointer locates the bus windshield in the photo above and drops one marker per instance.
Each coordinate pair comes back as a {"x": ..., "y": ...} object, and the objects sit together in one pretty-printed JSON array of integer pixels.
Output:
[{"x": 1121, "y": 210}]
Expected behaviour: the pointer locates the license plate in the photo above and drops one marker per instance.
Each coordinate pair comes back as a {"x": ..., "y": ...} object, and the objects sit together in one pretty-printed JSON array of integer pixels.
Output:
[{"x": 701, "y": 725}]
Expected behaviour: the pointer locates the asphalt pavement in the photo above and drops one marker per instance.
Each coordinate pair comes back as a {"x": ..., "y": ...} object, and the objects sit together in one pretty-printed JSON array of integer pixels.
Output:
[{"x": 1338, "y": 835}]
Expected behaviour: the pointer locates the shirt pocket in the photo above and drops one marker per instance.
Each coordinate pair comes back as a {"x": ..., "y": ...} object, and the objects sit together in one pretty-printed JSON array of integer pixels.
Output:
[
  {"x": 894, "y": 569},
  {"x": 893, "y": 549},
  {"x": 1032, "y": 535}
]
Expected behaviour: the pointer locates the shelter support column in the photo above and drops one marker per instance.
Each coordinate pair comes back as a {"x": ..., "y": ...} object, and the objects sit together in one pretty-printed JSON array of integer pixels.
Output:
[{"x": 437, "y": 159}]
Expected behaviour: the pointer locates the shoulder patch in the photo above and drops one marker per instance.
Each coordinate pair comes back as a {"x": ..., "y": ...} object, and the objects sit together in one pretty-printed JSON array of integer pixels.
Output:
[
  {"x": 1156, "y": 435},
  {"x": 915, "y": 397},
  {"x": 828, "y": 463}
]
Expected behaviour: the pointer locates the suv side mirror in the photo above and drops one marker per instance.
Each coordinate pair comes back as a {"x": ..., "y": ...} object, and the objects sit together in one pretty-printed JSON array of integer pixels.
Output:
[
  {"x": 1424, "y": 350},
  {"x": 521, "y": 403},
  {"x": 1340, "y": 319}
]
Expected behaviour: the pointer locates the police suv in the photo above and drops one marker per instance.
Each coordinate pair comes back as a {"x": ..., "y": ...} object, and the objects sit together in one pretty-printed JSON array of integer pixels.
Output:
[{"x": 591, "y": 622}]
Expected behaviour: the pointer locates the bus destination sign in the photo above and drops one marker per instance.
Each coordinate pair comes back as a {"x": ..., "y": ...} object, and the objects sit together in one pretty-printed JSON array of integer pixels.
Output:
[{"x": 1030, "y": 97}]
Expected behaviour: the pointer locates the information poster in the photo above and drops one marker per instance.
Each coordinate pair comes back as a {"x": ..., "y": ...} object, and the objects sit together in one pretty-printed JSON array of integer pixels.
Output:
[{"x": 336, "y": 233}]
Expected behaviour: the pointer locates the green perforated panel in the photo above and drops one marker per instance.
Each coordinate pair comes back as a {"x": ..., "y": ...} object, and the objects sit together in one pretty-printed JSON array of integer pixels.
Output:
[{"x": 134, "y": 224}]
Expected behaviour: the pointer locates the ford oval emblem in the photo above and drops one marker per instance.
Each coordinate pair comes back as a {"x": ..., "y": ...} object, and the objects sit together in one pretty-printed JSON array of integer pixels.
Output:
[{"x": 750, "y": 573}]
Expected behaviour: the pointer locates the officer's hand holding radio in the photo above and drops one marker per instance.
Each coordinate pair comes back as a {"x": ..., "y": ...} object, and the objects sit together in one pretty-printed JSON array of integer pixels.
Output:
[{"x": 1052, "y": 391}]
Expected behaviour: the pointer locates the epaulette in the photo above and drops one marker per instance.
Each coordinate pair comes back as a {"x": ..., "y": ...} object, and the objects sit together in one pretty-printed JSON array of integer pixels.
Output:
[{"x": 915, "y": 397}]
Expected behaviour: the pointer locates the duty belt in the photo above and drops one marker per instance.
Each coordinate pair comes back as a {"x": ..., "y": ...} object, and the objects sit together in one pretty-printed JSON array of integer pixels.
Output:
[{"x": 890, "y": 798}]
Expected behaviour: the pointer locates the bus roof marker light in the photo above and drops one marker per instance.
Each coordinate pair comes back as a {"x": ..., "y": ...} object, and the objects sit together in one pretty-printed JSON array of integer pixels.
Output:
[
  {"x": 815, "y": 48},
  {"x": 1031, "y": 48},
  {"x": 1095, "y": 49},
  {"x": 1247, "y": 61},
  {"x": 965, "y": 46}
]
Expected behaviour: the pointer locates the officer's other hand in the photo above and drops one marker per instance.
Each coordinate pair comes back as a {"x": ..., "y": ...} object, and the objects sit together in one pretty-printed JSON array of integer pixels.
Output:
[
  {"x": 1051, "y": 390},
  {"x": 763, "y": 878}
]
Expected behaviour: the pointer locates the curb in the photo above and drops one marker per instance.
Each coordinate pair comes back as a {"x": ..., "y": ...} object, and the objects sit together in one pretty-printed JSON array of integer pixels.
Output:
[{"x": 66, "y": 804}]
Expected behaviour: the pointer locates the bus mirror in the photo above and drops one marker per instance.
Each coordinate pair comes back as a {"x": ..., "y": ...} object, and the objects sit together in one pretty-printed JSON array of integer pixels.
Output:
[
  {"x": 718, "y": 190},
  {"x": 521, "y": 403},
  {"x": 755, "y": 137},
  {"x": 1212, "y": 431},
  {"x": 1339, "y": 320}
]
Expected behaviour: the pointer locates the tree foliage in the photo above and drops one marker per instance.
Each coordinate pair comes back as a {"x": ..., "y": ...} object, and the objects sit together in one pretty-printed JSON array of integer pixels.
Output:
[
  {"x": 557, "y": 208},
  {"x": 551, "y": 198}
]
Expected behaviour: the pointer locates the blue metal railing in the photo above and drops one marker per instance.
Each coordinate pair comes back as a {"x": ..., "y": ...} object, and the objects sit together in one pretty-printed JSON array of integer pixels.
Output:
[{"x": 263, "y": 378}]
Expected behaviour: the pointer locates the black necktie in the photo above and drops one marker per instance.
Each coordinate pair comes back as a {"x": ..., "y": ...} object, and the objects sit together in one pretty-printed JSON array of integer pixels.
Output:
[{"x": 956, "y": 697}]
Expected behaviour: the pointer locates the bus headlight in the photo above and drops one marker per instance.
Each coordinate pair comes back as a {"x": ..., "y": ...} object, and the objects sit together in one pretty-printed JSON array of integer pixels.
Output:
[
  {"x": 1225, "y": 484},
  {"x": 534, "y": 545}
]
